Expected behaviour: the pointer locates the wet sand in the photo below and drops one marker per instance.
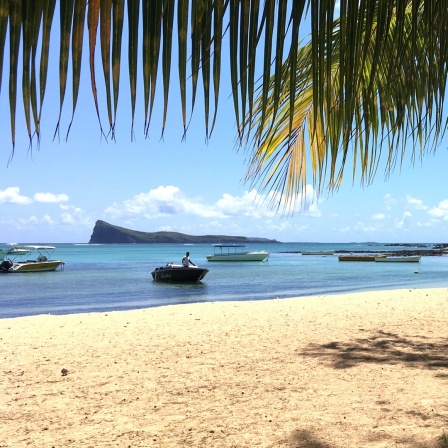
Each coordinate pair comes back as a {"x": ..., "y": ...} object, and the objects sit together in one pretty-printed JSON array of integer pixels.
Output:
[{"x": 354, "y": 370}]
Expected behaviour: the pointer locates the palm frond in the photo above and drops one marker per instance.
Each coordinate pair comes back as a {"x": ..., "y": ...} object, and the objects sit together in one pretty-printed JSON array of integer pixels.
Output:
[
  {"x": 374, "y": 95},
  {"x": 366, "y": 82}
]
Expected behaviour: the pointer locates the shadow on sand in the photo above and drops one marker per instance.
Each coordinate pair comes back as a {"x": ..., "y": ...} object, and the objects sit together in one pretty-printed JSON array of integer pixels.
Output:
[
  {"x": 385, "y": 348},
  {"x": 379, "y": 348},
  {"x": 305, "y": 439}
]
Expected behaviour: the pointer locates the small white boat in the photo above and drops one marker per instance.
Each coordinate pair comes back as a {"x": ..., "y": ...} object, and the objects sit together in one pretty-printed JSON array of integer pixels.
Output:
[
  {"x": 236, "y": 252},
  {"x": 317, "y": 252},
  {"x": 360, "y": 257},
  {"x": 12, "y": 251},
  {"x": 404, "y": 259},
  {"x": 30, "y": 259}
]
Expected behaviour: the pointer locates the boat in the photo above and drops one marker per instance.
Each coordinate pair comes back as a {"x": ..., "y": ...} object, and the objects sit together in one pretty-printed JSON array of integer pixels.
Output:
[
  {"x": 317, "y": 252},
  {"x": 11, "y": 251},
  {"x": 236, "y": 252},
  {"x": 176, "y": 273},
  {"x": 31, "y": 259},
  {"x": 352, "y": 257},
  {"x": 403, "y": 259}
]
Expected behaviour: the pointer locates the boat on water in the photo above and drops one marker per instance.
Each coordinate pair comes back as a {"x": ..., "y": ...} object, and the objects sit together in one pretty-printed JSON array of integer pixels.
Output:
[
  {"x": 12, "y": 251},
  {"x": 3, "y": 253},
  {"x": 353, "y": 257},
  {"x": 30, "y": 259},
  {"x": 403, "y": 259},
  {"x": 317, "y": 252},
  {"x": 236, "y": 252},
  {"x": 177, "y": 273}
]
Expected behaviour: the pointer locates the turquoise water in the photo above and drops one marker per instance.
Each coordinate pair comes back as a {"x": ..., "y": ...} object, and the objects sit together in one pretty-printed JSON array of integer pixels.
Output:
[{"x": 100, "y": 278}]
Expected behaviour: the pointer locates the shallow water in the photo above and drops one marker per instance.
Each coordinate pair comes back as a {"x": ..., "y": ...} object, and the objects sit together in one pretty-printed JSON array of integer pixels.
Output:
[{"x": 99, "y": 278}]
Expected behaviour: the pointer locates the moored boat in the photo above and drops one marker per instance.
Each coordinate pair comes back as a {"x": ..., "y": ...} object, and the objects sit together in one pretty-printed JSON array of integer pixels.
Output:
[
  {"x": 236, "y": 252},
  {"x": 176, "y": 273},
  {"x": 317, "y": 252},
  {"x": 404, "y": 259},
  {"x": 352, "y": 257},
  {"x": 12, "y": 251},
  {"x": 31, "y": 259}
]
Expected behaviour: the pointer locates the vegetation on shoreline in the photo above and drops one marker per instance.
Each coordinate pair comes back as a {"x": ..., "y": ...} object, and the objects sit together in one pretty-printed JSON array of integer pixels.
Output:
[{"x": 105, "y": 233}]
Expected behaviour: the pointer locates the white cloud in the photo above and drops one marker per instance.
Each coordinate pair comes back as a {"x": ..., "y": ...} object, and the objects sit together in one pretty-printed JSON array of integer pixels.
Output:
[
  {"x": 379, "y": 216},
  {"x": 286, "y": 226},
  {"x": 404, "y": 221},
  {"x": 416, "y": 203},
  {"x": 166, "y": 229},
  {"x": 161, "y": 202},
  {"x": 425, "y": 224},
  {"x": 75, "y": 216},
  {"x": 313, "y": 211},
  {"x": 361, "y": 227},
  {"x": 12, "y": 196},
  {"x": 50, "y": 197},
  {"x": 441, "y": 211},
  {"x": 169, "y": 200},
  {"x": 306, "y": 202},
  {"x": 68, "y": 218},
  {"x": 71, "y": 216},
  {"x": 31, "y": 220},
  {"x": 48, "y": 219},
  {"x": 390, "y": 201},
  {"x": 282, "y": 226},
  {"x": 216, "y": 224},
  {"x": 250, "y": 204}
]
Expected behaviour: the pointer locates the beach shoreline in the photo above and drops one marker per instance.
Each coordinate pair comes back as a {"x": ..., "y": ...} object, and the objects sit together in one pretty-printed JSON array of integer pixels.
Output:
[{"x": 365, "y": 369}]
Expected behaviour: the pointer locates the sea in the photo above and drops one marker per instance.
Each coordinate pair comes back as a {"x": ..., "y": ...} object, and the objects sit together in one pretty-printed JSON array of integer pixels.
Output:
[{"x": 114, "y": 277}]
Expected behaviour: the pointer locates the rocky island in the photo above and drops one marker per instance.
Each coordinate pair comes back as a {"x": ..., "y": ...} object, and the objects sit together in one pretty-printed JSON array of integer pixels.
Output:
[{"x": 105, "y": 233}]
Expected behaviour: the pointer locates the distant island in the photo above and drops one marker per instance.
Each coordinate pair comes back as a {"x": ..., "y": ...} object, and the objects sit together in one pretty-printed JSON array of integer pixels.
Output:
[{"x": 105, "y": 233}]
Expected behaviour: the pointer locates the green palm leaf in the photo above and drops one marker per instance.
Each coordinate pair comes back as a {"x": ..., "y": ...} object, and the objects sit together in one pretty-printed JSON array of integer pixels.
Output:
[
  {"x": 105, "y": 33},
  {"x": 28, "y": 14},
  {"x": 387, "y": 104},
  {"x": 168, "y": 18},
  {"x": 15, "y": 16},
  {"x": 117, "y": 33},
  {"x": 35, "y": 29},
  {"x": 93, "y": 14},
  {"x": 133, "y": 21},
  {"x": 66, "y": 17},
  {"x": 364, "y": 86},
  {"x": 4, "y": 14},
  {"x": 77, "y": 44},
  {"x": 48, "y": 13}
]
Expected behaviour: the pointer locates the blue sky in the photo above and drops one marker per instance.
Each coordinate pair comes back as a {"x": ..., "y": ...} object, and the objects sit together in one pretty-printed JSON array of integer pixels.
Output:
[{"x": 54, "y": 193}]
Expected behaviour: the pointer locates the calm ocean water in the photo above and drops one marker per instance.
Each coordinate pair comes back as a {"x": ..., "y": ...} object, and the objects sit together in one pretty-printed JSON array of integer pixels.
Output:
[{"x": 100, "y": 278}]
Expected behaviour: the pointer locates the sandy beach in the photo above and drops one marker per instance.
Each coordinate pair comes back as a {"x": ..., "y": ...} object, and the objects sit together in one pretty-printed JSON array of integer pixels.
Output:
[{"x": 355, "y": 370}]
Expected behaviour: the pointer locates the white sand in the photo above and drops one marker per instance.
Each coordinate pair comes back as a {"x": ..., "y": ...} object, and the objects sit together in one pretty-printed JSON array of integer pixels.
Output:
[{"x": 354, "y": 370}]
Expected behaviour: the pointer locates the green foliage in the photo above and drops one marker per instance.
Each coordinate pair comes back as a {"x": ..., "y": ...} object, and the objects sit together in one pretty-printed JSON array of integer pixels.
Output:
[
  {"x": 371, "y": 78},
  {"x": 105, "y": 233},
  {"x": 379, "y": 87}
]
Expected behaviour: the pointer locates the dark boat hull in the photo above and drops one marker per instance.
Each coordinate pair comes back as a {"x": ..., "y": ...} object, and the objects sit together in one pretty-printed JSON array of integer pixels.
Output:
[{"x": 180, "y": 274}]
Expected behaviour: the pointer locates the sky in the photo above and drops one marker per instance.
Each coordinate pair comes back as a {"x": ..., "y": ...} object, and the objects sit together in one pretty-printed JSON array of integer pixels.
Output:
[{"x": 55, "y": 191}]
